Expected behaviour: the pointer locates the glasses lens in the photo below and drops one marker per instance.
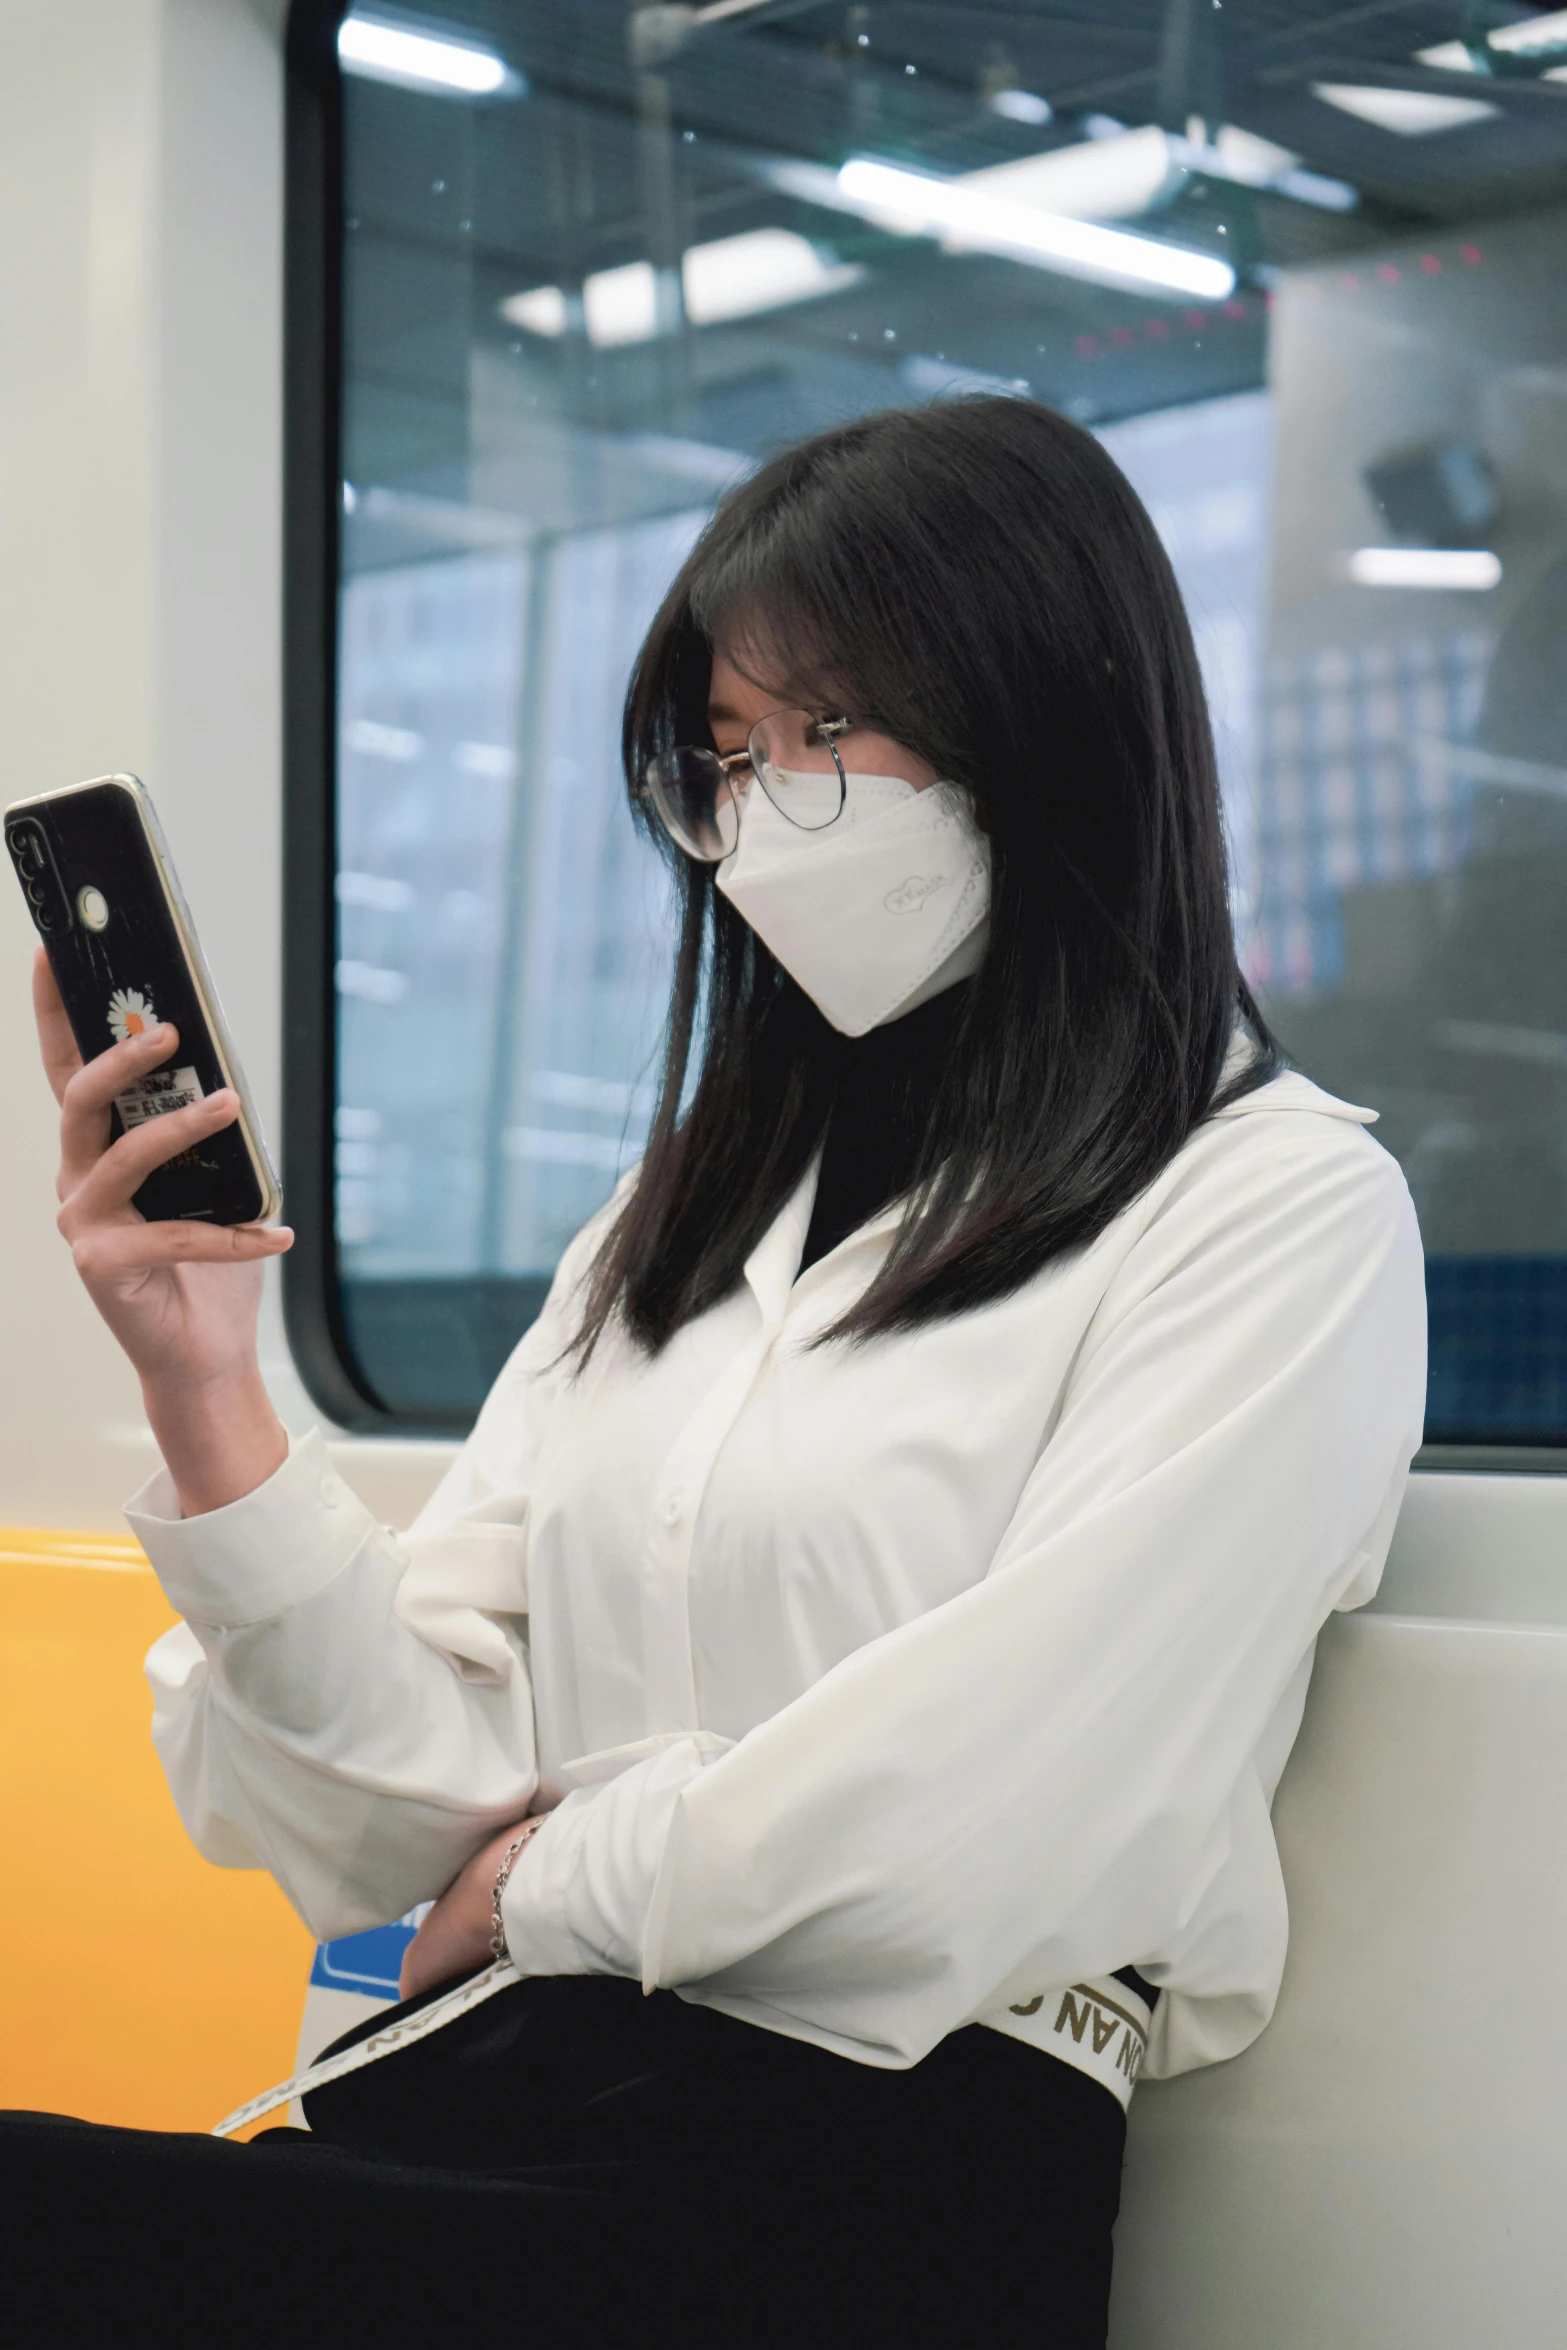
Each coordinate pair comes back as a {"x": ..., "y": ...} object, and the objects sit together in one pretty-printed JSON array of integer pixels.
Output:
[
  {"x": 797, "y": 765},
  {"x": 691, "y": 793}
]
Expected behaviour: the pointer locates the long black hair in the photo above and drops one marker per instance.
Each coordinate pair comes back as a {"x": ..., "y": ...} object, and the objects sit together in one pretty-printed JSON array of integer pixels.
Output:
[{"x": 980, "y": 580}]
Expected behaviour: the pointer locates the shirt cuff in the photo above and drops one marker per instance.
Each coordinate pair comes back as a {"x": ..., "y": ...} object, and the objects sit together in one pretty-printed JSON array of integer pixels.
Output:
[
  {"x": 258, "y": 1557},
  {"x": 577, "y": 1901},
  {"x": 539, "y": 1941}
]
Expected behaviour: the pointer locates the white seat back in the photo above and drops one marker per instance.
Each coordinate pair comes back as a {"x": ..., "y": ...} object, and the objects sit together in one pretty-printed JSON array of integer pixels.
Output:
[{"x": 1388, "y": 2165}]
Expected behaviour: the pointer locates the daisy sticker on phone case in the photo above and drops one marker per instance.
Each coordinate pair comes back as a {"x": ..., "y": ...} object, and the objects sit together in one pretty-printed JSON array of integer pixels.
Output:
[{"x": 130, "y": 1014}]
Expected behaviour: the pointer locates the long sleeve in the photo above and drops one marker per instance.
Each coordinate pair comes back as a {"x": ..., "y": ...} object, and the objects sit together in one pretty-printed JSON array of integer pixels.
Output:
[
  {"x": 326, "y": 1711},
  {"x": 1050, "y": 1775}
]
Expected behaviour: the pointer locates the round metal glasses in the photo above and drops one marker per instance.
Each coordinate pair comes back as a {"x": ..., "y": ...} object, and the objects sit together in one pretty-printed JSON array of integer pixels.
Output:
[{"x": 792, "y": 754}]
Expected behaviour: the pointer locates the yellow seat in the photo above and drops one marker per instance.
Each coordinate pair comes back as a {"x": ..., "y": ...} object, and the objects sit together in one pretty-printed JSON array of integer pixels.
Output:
[{"x": 138, "y": 1984}]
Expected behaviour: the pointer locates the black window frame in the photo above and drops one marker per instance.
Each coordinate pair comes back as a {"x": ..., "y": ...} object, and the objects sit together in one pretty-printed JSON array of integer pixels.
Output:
[
  {"x": 313, "y": 1305},
  {"x": 312, "y": 408}
]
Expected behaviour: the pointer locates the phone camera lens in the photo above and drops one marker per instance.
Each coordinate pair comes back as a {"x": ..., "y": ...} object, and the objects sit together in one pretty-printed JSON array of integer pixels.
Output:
[
  {"x": 26, "y": 847},
  {"x": 46, "y": 897}
]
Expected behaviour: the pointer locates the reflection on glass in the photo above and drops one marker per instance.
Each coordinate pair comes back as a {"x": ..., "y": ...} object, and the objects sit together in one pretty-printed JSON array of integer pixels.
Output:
[{"x": 600, "y": 261}]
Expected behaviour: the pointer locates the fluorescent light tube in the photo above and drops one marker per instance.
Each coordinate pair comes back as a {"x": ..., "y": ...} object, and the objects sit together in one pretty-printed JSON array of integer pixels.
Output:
[
  {"x": 762, "y": 269},
  {"x": 910, "y": 203},
  {"x": 378, "y": 891},
  {"x": 1474, "y": 568},
  {"x": 1253, "y": 162},
  {"x": 1020, "y": 106},
  {"x": 1242, "y": 156},
  {"x": 729, "y": 277},
  {"x": 375, "y": 741},
  {"x": 542, "y": 310},
  {"x": 1412, "y": 114},
  {"x": 1094, "y": 179},
  {"x": 384, "y": 52},
  {"x": 1535, "y": 36},
  {"x": 621, "y": 305},
  {"x": 1129, "y": 172}
]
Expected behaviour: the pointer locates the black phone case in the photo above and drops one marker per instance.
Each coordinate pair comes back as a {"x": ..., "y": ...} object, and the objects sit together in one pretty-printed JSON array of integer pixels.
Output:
[{"x": 128, "y": 975}]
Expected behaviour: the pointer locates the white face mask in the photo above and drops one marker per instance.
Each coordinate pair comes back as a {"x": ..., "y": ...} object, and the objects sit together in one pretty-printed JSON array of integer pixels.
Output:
[{"x": 875, "y": 913}]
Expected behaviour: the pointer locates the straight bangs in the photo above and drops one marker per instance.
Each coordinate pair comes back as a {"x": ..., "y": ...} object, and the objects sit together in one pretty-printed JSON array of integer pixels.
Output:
[
  {"x": 799, "y": 628},
  {"x": 979, "y": 581}
]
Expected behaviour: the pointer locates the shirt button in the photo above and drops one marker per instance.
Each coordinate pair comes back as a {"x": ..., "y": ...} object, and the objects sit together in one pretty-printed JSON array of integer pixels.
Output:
[
  {"x": 673, "y": 1508},
  {"x": 332, "y": 1492}
]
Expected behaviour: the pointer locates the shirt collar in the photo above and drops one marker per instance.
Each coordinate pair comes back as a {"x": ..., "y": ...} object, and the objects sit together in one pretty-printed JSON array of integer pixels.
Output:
[
  {"x": 1291, "y": 1091},
  {"x": 772, "y": 1265},
  {"x": 1288, "y": 1091}
]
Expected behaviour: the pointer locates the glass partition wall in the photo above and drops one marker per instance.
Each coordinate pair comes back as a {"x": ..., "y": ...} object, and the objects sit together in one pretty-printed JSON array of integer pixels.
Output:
[{"x": 1303, "y": 268}]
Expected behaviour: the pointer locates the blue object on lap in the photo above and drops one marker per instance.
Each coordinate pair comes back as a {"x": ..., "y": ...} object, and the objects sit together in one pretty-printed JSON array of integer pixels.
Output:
[{"x": 368, "y": 1963}]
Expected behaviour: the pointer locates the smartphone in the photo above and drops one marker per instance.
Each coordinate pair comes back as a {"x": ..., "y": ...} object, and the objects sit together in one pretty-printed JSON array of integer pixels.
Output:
[{"x": 100, "y": 886}]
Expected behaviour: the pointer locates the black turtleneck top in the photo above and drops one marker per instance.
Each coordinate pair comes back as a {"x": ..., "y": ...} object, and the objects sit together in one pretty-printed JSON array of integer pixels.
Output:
[{"x": 881, "y": 1109}]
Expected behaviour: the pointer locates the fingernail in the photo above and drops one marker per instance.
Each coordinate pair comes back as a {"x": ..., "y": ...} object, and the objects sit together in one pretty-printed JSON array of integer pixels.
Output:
[{"x": 158, "y": 1034}]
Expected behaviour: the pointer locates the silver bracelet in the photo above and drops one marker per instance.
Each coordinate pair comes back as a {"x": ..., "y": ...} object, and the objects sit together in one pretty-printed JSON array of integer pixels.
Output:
[{"x": 497, "y": 1922}]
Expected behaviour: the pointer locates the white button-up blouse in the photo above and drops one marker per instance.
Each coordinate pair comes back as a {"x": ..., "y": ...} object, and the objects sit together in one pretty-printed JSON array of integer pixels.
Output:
[{"x": 875, "y": 1686}]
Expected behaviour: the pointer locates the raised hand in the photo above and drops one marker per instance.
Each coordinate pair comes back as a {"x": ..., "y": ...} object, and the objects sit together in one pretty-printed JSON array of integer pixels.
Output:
[{"x": 181, "y": 1298}]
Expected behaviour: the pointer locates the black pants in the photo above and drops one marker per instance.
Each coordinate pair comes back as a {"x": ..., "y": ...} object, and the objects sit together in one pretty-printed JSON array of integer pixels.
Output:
[{"x": 572, "y": 2164}]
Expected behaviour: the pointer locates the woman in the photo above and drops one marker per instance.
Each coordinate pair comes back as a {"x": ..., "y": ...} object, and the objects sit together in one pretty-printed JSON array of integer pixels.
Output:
[{"x": 876, "y": 1603}]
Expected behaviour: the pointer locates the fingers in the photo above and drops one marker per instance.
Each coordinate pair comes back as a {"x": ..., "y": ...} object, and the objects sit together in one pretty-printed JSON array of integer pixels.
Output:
[
  {"x": 56, "y": 1043},
  {"x": 90, "y": 1088},
  {"x": 113, "y": 1178},
  {"x": 107, "y": 1252},
  {"x": 84, "y": 1105},
  {"x": 96, "y": 1082}
]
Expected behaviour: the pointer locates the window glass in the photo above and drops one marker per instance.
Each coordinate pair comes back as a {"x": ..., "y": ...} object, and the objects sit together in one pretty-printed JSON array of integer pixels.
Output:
[{"x": 1304, "y": 271}]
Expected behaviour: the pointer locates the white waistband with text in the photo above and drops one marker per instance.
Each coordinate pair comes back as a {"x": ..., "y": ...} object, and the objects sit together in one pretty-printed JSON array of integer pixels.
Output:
[{"x": 1101, "y": 2028}]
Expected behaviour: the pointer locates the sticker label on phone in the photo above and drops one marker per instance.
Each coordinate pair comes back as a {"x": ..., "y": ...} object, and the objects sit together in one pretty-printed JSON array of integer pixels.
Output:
[{"x": 154, "y": 1095}]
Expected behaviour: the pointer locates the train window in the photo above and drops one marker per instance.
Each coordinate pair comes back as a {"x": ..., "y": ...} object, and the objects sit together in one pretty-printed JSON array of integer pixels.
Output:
[{"x": 562, "y": 273}]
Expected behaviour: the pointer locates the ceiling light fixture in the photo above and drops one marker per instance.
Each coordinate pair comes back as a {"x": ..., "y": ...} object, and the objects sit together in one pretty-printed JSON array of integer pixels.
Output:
[
  {"x": 761, "y": 269},
  {"x": 1093, "y": 179},
  {"x": 1449, "y": 57},
  {"x": 729, "y": 277},
  {"x": 1254, "y": 162},
  {"x": 1412, "y": 114},
  {"x": 1131, "y": 172},
  {"x": 1474, "y": 568},
  {"x": 1540, "y": 36},
  {"x": 621, "y": 305},
  {"x": 973, "y": 219},
  {"x": 383, "y": 52},
  {"x": 541, "y": 310},
  {"x": 1020, "y": 106},
  {"x": 1535, "y": 36}
]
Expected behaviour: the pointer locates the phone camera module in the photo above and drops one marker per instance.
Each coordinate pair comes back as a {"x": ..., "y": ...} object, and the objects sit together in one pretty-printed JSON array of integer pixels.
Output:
[
  {"x": 93, "y": 908},
  {"x": 46, "y": 898}
]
